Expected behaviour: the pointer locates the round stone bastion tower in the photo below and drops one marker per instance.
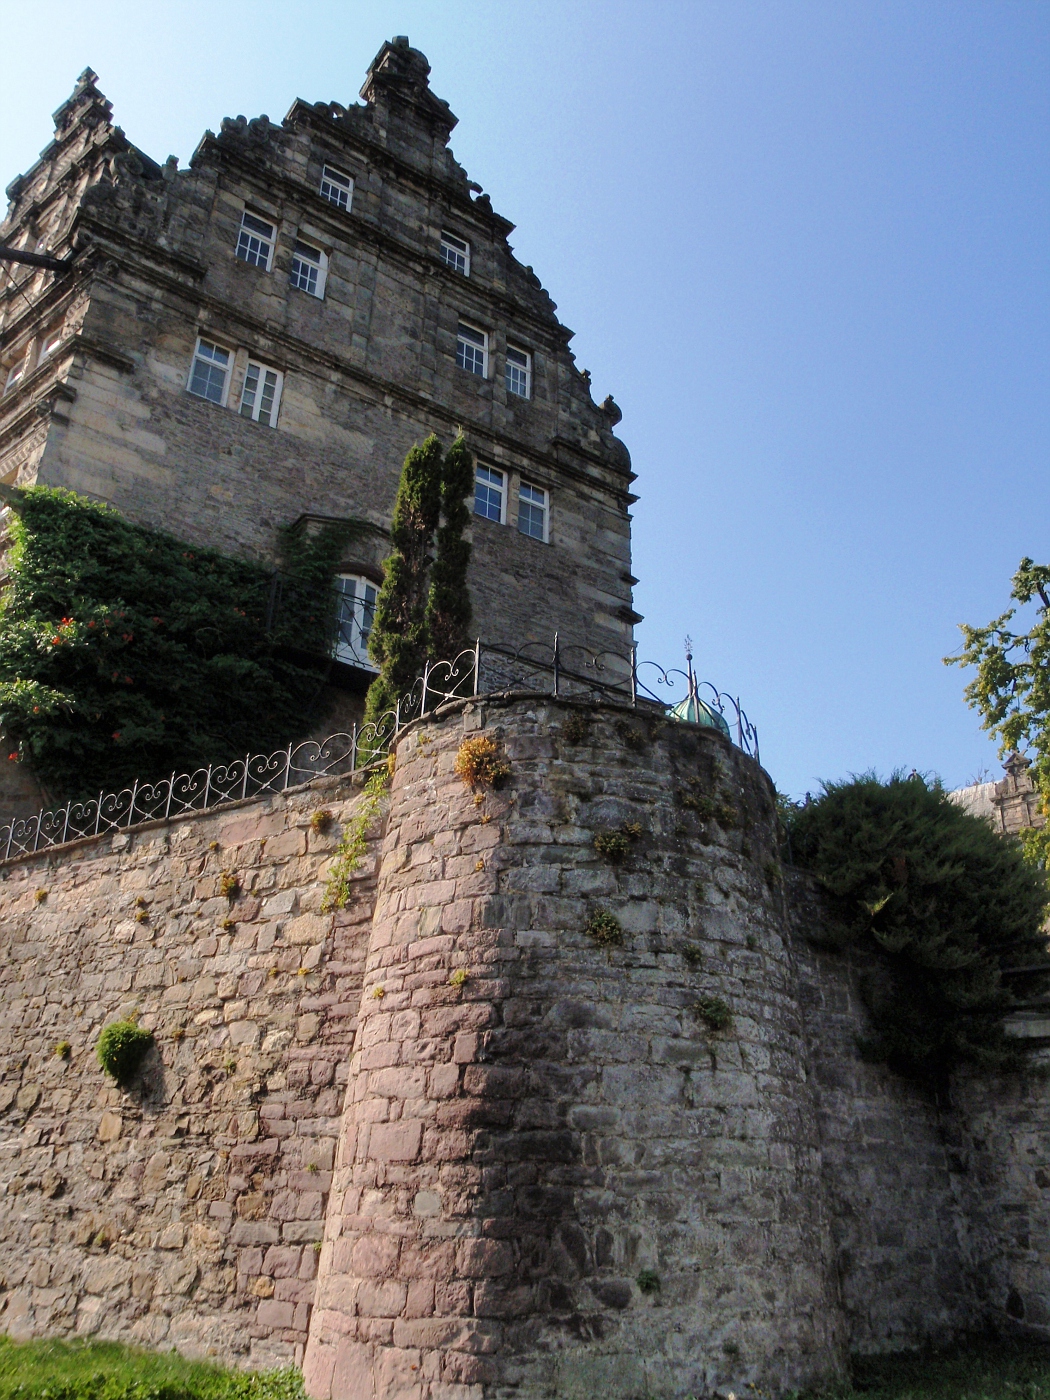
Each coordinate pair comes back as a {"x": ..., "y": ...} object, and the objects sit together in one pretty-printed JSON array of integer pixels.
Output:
[{"x": 578, "y": 1155}]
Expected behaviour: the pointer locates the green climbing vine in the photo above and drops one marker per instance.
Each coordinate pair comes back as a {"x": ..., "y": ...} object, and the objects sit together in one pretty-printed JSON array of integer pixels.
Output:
[
  {"x": 125, "y": 652},
  {"x": 353, "y": 843}
]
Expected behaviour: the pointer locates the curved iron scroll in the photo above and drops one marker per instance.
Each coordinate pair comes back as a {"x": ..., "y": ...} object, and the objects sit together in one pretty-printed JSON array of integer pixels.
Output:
[{"x": 548, "y": 668}]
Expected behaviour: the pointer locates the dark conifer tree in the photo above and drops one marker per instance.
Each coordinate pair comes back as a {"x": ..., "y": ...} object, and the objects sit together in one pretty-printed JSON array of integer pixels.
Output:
[
  {"x": 448, "y": 603},
  {"x": 398, "y": 639}
]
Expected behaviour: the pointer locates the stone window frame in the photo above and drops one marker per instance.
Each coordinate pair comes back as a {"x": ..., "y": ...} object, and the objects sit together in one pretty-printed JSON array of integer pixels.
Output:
[
  {"x": 518, "y": 371},
  {"x": 531, "y": 505},
  {"x": 227, "y": 372},
  {"x": 455, "y": 250},
  {"x": 255, "y": 407},
  {"x": 321, "y": 265},
  {"x": 247, "y": 236},
  {"x": 334, "y": 193},
  {"x": 467, "y": 348},
  {"x": 489, "y": 486}
]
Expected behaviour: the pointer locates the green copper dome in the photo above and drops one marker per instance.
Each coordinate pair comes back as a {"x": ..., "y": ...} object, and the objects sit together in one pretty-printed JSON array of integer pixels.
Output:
[{"x": 693, "y": 710}]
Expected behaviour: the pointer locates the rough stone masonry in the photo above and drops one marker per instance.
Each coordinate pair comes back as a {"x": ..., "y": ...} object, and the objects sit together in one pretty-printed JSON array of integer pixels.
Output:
[{"x": 535, "y": 1163}]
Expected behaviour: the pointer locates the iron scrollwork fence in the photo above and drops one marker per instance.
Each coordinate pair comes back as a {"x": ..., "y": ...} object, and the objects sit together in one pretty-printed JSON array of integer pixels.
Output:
[{"x": 539, "y": 667}]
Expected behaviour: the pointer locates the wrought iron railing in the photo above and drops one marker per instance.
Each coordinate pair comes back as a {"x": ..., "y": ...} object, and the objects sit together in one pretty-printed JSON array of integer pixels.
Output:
[{"x": 547, "y": 668}]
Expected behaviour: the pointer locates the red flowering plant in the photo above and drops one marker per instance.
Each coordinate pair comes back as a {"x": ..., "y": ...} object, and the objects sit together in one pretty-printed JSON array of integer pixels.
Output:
[{"x": 124, "y": 654}]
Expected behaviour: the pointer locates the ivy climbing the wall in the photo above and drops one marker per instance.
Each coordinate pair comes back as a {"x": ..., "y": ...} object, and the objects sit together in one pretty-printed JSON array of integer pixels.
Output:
[
  {"x": 945, "y": 902},
  {"x": 126, "y": 653}
]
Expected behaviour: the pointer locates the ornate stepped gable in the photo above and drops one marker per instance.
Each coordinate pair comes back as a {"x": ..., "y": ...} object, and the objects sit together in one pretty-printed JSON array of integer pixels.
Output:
[{"x": 334, "y": 339}]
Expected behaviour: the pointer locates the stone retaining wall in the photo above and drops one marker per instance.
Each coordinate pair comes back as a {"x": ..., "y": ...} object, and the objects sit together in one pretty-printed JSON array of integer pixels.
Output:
[
  {"x": 189, "y": 1210},
  {"x": 557, "y": 1174},
  {"x": 558, "y": 1171}
]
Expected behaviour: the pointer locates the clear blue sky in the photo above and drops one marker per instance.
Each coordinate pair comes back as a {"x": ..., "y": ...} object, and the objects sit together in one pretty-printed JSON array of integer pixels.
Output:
[{"x": 805, "y": 245}]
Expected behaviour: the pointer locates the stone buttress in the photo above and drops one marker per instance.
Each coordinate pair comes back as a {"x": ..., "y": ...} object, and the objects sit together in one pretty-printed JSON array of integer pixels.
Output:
[{"x": 557, "y": 1173}]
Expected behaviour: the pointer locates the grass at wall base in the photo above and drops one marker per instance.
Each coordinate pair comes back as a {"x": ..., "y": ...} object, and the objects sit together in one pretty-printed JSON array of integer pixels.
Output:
[
  {"x": 126, "y": 653},
  {"x": 61, "y": 1370}
]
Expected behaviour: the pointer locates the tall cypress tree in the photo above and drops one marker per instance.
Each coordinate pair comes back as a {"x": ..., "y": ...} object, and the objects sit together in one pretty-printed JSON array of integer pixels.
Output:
[
  {"x": 448, "y": 603},
  {"x": 398, "y": 639}
]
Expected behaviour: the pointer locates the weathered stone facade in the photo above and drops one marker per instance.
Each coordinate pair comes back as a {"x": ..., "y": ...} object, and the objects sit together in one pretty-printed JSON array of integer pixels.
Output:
[
  {"x": 96, "y": 361},
  {"x": 189, "y": 1212},
  {"x": 1011, "y": 805},
  {"x": 544, "y": 1165}
]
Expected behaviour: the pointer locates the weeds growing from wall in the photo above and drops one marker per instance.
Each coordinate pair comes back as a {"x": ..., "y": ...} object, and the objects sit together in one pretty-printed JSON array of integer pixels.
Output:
[
  {"x": 481, "y": 763},
  {"x": 946, "y": 904}
]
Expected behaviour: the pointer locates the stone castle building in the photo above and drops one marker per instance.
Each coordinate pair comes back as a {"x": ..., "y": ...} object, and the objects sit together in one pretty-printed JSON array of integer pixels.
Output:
[
  {"x": 458, "y": 1138},
  {"x": 258, "y": 339}
]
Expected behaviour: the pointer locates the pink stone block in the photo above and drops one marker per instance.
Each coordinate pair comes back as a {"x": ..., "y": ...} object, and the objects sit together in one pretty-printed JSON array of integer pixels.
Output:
[{"x": 396, "y": 1142}]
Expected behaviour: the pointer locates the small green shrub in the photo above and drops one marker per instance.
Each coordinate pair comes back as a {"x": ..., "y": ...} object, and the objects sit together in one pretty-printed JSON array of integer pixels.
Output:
[
  {"x": 942, "y": 903},
  {"x": 458, "y": 977},
  {"x": 604, "y": 928},
  {"x": 694, "y": 799},
  {"x": 121, "y": 1049},
  {"x": 574, "y": 730},
  {"x": 714, "y": 1012},
  {"x": 321, "y": 820},
  {"x": 648, "y": 1281},
  {"x": 62, "y": 1050},
  {"x": 229, "y": 885},
  {"x": 693, "y": 955},
  {"x": 631, "y": 736},
  {"x": 612, "y": 846}
]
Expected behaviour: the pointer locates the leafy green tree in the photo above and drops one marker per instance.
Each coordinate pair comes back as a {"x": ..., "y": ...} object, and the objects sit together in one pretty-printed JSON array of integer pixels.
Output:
[
  {"x": 1011, "y": 690},
  {"x": 126, "y": 653},
  {"x": 944, "y": 903},
  {"x": 448, "y": 603},
  {"x": 398, "y": 639}
]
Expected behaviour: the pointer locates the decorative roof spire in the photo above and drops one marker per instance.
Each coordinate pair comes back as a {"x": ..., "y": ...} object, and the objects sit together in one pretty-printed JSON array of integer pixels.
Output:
[{"x": 398, "y": 76}]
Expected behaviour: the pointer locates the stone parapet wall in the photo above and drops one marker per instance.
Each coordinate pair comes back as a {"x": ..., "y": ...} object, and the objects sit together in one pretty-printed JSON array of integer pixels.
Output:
[
  {"x": 187, "y": 1211},
  {"x": 555, "y": 1176}
]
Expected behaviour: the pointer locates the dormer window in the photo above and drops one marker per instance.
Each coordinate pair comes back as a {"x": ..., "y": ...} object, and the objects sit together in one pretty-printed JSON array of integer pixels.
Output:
[
  {"x": 309, "y": 269},
  {"x": 336, "y": 187},
  {"x": 255, "y": 241},
  {"x": 456, "y": 253},
  {"x": 472, "y": 350}
]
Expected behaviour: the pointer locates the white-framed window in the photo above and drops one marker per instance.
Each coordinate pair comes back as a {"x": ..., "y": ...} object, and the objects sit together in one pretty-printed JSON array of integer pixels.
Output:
[
  {"x": 472, "y": 350},
  {"x": 261, "y": 393},
  {"x": 210, "y": 371},
  {"x": 49, "y": 343},
  {"x": 533, "y": 511},
  {"x": 490, "y": 494},
  {"x": 255, "y": 241},
  {"x": 355, "y": 613},
  {"x": 336, "y": 187},
  {"x": 456, "y": 253},
  {"x": 309, "y": 269},
  {"x": 518, "y": 372},
  {"x": 15, "y": 372}
]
